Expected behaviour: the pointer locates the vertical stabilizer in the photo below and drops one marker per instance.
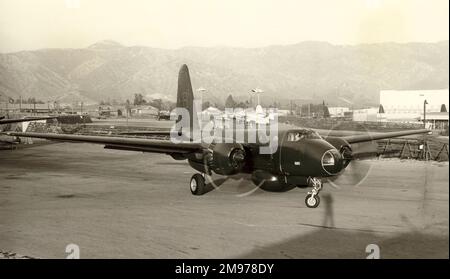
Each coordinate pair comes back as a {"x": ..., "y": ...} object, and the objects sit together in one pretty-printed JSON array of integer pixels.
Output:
[
  {"x": 185, "y": 96},
  {"x": 185, "y": 99}
]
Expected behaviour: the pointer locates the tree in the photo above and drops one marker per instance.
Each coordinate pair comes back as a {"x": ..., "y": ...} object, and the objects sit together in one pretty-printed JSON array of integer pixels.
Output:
[
  {"x": 326, "y": 112},
  {"x": 206, "y": 105},
  {"x": 170, "y": 106},
  {"x": 139, "y": 100},
  {"x": 241, "y": 105},
  {"x": 230, "y": 103},
  {"x": 157, "y": 103},
  {"x": 443, "y": 108}
]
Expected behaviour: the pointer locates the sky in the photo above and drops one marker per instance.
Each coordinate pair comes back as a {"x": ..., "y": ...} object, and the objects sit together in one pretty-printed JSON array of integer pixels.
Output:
[{"x": 32, "y": 24}]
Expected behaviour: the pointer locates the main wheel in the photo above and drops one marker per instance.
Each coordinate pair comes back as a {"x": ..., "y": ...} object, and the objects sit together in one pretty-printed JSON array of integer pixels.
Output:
[
  {"x": 312, "y": 201},
  {"x": 197, "y": 184}
]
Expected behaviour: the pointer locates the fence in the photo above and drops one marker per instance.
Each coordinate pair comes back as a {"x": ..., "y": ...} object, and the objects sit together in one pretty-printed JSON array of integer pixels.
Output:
[{"x": 427, "y": 149}]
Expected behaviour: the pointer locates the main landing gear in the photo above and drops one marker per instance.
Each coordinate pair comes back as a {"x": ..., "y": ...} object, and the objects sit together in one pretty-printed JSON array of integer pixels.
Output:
[
  {"x": 312, "y": 199},
  {"x": 197, "y": 184}
]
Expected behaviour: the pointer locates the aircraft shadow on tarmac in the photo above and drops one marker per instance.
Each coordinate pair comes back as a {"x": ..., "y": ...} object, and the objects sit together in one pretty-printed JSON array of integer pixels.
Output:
[
  {"x": 327, "y": 241},
  {"x": 346, "y": 244}
]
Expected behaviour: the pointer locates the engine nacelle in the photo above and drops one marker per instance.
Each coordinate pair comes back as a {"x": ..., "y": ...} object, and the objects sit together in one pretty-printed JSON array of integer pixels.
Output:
[
  {"x": 227, "y": 158},
  {"x": 344, "y": 148},
  {"x": 339, "y": 143}
]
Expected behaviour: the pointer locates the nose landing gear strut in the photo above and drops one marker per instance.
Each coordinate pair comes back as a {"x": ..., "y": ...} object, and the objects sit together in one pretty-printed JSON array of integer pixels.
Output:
[{"x": 312, "y": 199}]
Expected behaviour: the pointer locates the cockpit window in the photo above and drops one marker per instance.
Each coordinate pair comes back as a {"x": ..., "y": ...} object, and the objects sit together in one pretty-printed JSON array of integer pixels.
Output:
[{"x": 302, "y": 134}]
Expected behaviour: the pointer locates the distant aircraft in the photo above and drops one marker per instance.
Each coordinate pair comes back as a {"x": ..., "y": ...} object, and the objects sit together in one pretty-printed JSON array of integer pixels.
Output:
[{"x": 302, "y": 156}]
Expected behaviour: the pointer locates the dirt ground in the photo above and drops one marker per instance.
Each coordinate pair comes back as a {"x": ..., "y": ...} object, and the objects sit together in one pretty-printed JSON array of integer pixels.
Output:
[{"x": 118, "y": 204}]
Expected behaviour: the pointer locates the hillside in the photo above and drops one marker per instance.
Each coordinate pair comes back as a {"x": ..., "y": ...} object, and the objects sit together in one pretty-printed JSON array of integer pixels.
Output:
[{"x": 309, "y": 70}]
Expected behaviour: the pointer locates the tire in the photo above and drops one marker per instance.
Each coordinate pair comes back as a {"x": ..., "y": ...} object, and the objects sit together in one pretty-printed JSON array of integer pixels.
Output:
[
  {"x": 312, "y": 202},
  {"x": 197, "y": 185}
]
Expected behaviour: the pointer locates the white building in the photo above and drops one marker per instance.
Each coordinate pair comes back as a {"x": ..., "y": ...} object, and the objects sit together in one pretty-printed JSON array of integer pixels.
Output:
[
  {"x": 338, "y": 111},
  {"x": 283, "y": 112},
  {"x": 212, "y": 111},
  {"x": 144, "y": 110},
  {"x": 407, "y": 105},
  {"x": 368, "y": 114}
]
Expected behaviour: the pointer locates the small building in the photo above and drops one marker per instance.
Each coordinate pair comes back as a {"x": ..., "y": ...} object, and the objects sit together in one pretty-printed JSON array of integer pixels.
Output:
[
  {"x": 436, "y": 120},
  {"x": 212, "y": 110},
  {"x": 106, "y": 111},
  {"x": 144, "y": 110},
  {"x": 283, "y": 112},
  {"x": 365, "y": 115},
  {"x": 338, "y": 111}
]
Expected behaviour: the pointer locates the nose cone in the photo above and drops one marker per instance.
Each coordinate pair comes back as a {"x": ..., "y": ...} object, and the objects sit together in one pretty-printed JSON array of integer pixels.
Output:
[
  {"x": 332, "y": 162},
  {"x": 319, "y": 158}
]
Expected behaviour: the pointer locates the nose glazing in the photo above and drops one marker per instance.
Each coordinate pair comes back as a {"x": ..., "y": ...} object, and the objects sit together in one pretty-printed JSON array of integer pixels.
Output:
[{"x": 331, "y": 161}]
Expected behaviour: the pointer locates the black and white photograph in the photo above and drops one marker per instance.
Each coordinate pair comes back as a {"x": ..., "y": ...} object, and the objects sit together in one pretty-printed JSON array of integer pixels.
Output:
[{"x": 213, "y": 129}]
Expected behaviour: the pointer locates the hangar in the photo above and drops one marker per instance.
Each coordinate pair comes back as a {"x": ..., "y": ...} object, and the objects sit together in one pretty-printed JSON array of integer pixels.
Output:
[{"x": 408, "y": 105}]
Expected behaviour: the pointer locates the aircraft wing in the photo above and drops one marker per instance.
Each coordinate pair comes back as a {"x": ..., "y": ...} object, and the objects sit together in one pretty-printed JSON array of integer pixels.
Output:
[
  {"x": 147, "y": 133},
  {"x": 121, "y": 143},
  {"x": 8, "y": 121},
  {"x": 8, "y": 141},
  {"x": 378, "y": 136}
]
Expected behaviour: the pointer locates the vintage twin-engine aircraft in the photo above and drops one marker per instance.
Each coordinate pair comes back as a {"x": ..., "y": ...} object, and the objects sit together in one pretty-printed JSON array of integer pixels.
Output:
[{"x": 302, "y": 156}]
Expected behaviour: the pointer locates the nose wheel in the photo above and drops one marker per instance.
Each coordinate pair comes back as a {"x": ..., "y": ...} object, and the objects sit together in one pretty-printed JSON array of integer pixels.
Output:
[{"x": 312, "y": 199}]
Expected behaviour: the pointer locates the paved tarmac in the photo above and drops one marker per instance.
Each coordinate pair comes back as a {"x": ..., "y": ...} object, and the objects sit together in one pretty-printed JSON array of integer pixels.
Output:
[{"x": 118, "y": 204}]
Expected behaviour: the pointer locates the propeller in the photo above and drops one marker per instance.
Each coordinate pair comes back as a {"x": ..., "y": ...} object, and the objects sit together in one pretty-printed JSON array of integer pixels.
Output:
[
  {"x": 357, "y": 167},
  {"x": 364, "y": 150},
  {"x": 221, "y": 162},
  {"x": 353, "y": 176}
]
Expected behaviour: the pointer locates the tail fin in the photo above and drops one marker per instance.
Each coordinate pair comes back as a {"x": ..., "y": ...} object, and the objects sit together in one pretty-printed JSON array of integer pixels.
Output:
[
  {"x": 185, "y": 96},
  {"x": 185, "y": 99}
]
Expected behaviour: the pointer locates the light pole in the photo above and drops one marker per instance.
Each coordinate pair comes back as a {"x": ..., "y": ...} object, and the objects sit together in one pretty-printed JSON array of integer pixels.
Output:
[
  {"x": 201, "y": 90},
  {"x": 257, "y": 91},
  {"x": 425, "y": 103}
]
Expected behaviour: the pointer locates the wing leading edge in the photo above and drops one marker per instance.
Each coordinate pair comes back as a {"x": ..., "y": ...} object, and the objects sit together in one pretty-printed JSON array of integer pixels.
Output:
[
  {"x": 378, "y": 136},
  {"x": 164, "y": 146},
  {"x": 133, "y": 144},
  {"x": 8, "y": 121}
]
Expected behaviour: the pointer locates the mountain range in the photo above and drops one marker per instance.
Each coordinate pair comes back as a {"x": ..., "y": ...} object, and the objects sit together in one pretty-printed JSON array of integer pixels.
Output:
[{"x": 304, "y": 72}]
